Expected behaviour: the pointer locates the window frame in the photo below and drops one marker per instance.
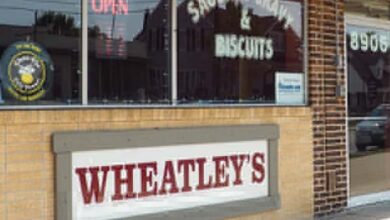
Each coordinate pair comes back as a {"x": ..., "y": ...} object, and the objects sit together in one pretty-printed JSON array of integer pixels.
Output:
[{"x": 172, "y": 68}]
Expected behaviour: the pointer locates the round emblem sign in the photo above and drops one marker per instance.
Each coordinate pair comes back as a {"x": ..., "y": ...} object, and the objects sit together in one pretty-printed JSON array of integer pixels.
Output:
[{"x": 27, "y": 71}]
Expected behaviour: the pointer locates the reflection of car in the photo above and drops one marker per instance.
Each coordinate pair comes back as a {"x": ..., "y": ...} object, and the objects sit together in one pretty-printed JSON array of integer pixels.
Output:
[{"x": 371, "y": 131}]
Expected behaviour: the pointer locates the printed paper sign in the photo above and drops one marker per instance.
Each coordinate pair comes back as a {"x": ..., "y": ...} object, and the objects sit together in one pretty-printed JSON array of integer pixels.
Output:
[{"x": 289, "y": 88}]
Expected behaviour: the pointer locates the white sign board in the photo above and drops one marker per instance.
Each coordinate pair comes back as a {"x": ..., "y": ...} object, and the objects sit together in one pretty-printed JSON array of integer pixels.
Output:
[
  {"x": 289, "y": 88},
  {"x": 112, "y": 184}
]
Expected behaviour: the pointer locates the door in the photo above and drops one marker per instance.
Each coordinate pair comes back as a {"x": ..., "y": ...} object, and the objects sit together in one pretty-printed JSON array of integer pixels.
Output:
[{"x": 368, "y": 74}]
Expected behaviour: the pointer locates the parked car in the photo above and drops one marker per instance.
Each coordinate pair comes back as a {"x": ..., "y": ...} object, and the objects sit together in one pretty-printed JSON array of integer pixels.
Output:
[{"x": 372, "y": 130}]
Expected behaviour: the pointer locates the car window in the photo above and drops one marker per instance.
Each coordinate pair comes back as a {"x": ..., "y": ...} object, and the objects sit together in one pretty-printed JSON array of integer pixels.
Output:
[{"x": 379, "y": 111}]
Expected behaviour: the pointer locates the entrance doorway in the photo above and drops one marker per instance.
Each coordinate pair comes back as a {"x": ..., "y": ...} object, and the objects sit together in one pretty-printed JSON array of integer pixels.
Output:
[{"x": 368, "y": 73}]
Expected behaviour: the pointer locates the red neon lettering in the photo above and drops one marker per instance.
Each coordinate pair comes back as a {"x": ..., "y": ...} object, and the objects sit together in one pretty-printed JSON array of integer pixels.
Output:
[
  {"x": 94, "y": 190},
  {"x": 123, "y": 7},
  {"x": 114, "y": 7},
  {"x": 109, "y": 4},
  {"x": 95, "y": 7}
]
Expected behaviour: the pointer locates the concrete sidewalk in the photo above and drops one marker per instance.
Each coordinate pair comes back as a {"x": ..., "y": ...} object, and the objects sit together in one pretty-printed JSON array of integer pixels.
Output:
[{"x": 376, "y": 211}]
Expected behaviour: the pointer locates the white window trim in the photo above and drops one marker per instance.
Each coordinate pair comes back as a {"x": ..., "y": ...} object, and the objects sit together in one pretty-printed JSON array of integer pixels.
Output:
[
  {"x": 84, "y": 53},
  {"x": 173, "y": 52}
]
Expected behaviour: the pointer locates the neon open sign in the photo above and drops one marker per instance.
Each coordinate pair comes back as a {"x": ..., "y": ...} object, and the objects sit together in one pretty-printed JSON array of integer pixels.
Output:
[{"x": 115, "y": 7}]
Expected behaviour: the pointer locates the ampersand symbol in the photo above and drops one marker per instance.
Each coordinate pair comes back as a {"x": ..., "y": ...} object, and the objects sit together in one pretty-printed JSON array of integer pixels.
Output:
[{"x": 245, "y": 20}]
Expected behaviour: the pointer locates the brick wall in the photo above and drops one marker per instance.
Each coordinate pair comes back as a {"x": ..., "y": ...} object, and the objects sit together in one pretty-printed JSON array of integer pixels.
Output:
[
  {"x": 330, "y": 158},
  {"x": 27, "y": 163}
]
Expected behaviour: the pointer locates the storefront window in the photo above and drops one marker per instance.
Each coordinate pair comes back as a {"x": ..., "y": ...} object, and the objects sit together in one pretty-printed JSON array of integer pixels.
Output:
[
  {"x": 240, "y": 52},
  {"x": 228, "y": 52},
  {"x": 368, "y": 48},
  {"x": 128, "y": 52},
  {"x": 40, "y": 52},
  {"x": 368, "y": 62}
]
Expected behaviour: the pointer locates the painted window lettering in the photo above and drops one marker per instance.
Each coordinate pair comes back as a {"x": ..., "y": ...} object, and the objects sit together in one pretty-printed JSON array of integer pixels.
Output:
[
  {"x": 369, "y": 42},
  {"x": 245, "y": 41},
  {"x": 200, "y": 8},
  {"x": 232, "y": 46},
  {"x": 243, "y": 47}
]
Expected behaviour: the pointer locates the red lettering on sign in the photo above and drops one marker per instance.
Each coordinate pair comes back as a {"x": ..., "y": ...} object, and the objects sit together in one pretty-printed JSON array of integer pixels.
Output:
[
  {"x": 238, "y": 162},
  {"x": 201, "y": 184},
  {"x": 169, "y": 177},
  {"x": 186, "y": 165},
  {"x": 258, "y": 174},
  {"x": 221, "y": 178},
  {"x": 95, "y": 190},
  {"x": 148, "y": 171},
  {"x": 148, "y": 183},
  {"x": 119, "y": 181}
]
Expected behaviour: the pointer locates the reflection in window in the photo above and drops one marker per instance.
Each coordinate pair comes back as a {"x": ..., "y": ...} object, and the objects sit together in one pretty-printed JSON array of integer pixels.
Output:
[
  {"x": 368, "y": 101},
  {"x": 128, "y": 52},
  {"x": 375, "y": 8},
  {"x": 368, "y": 69},
  {"x": 231, "y": 52},
  {"x": 40, "y": 48}
]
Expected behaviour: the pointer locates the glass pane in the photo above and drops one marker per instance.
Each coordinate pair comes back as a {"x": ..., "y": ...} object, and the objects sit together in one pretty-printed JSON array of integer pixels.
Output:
[
  {"x": 240, "y": 52},
  {"x": 40, "y": 47},
  {"x": 128, "y": 52},
  {"x": 368, "y": 66},
  {"x": 373, "y": 8},
  {"x": 369, "y": 108}
]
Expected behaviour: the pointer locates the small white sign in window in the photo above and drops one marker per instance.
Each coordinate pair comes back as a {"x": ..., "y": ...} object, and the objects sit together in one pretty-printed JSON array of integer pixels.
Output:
[{"x": 289, "y": 88}]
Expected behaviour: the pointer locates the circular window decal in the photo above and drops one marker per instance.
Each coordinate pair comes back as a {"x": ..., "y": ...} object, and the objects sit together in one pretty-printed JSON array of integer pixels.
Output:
[{"x": 27, "y": 71}]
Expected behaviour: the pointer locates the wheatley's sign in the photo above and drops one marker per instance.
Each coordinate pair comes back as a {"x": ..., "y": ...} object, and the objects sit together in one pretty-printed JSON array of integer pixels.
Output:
[
  {"x": 242, "y": 46},
  {"x": 167, "y": 174},
  {"x": 164, "y": 176}
]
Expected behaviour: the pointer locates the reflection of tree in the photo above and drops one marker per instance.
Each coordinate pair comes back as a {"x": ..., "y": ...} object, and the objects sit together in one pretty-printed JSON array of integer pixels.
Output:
[
  {"x": 58, "y": 23},
  {"x": 94, "y": 31},
  {"x": 62, "y": 24}
]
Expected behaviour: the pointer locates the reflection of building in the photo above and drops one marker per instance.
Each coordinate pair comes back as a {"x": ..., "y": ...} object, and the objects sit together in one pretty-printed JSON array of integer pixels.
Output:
[
  {"x": 109, "y": 76},
  {"x": 140, "y": 75},
  {"x": 115, "y": 77},
  {"x": 154, "y": 34},
  {"x": 369, "y": 74},
  {"x": 203, "y": 76}
]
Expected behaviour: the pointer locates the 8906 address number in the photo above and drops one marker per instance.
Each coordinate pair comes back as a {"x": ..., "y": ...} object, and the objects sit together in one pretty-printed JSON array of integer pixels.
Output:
[{"x": 369, "y": 42}]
